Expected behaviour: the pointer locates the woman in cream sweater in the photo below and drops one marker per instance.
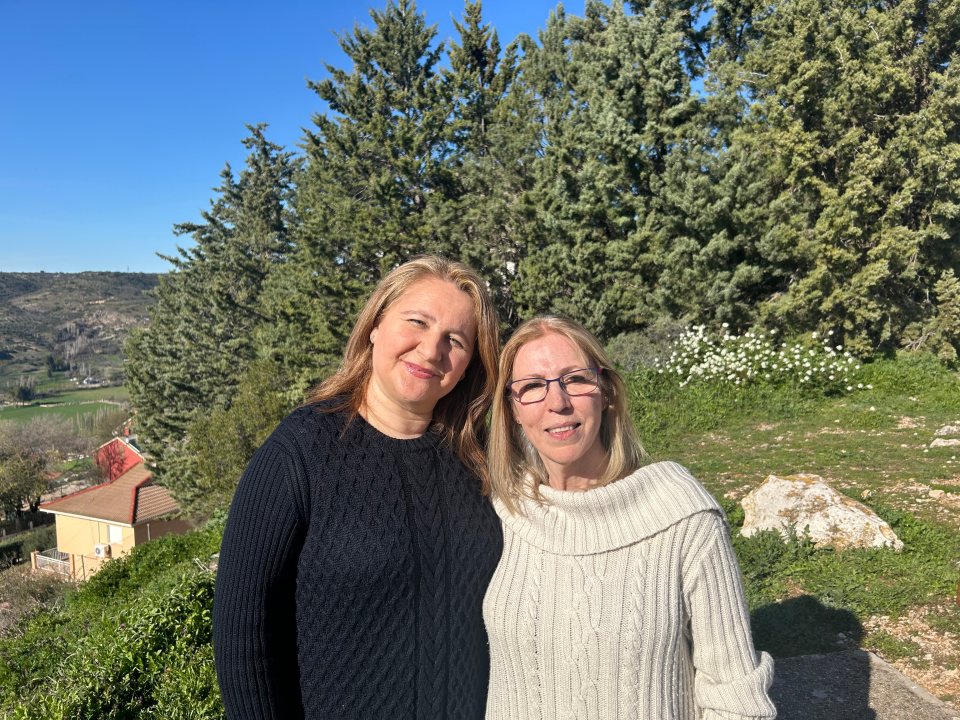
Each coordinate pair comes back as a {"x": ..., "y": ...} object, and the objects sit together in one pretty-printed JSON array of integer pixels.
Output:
[{"x": 618, "y": 595}]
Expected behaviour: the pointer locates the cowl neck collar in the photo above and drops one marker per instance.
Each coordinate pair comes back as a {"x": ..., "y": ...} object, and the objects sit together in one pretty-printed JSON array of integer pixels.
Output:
[{"x": 646, "y": 502}]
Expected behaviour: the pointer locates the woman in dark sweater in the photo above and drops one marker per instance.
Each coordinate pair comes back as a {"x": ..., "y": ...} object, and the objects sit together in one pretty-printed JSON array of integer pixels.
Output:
[{"x": 359, "y": 543}]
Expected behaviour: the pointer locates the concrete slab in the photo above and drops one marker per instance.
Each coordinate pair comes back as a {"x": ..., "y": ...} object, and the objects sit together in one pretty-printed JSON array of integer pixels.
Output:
[{"x": 851, "y": 685}]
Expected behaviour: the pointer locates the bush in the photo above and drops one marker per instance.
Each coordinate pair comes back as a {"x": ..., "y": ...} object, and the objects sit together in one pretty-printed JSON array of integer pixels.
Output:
[
  {"x": 152, "y": 646},
  {"x": 17, "y": 548},
  {"x": 127, "y": 643}
]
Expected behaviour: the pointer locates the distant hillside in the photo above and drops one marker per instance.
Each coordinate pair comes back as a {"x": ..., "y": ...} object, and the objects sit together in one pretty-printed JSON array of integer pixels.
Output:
[{"x": 80, "y": 320}]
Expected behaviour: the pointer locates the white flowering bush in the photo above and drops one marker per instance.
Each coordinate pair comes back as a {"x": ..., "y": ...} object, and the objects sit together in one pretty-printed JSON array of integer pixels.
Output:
[{"x": 759, "y": 356}]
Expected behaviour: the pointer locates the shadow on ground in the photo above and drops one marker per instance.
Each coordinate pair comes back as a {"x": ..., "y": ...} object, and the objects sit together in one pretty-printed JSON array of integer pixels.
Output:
[{"x": 821, "y": 674}]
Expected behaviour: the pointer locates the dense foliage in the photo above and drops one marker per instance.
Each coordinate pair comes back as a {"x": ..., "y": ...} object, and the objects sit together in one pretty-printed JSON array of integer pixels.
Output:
[
  {"x": 791, "y": 166},
  {"x": 134, "y": 641}
]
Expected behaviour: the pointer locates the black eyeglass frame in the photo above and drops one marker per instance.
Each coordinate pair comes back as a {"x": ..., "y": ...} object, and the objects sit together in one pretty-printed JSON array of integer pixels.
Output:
[{"x": 559, "y": 380}]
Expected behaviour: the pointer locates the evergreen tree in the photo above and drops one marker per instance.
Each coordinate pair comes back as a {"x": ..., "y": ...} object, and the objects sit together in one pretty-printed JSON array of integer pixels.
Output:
[
  {"x": 200, "y": 339},
  {"x": 615, "y": 97},
  {"x": 220, "y": 443},
  {"x": 856, "y": 117},
  {"x": 373, "y": 168},
  {"x": 493, "y": 144},
  {"x": 708, "y": 266}
]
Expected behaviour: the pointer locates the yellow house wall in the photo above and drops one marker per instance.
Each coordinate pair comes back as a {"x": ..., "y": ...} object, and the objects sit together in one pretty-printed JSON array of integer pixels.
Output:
[{"x": 78, "y": 536}]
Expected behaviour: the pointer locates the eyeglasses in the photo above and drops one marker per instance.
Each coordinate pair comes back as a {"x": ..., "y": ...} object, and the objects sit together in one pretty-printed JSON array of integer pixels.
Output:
[{"x": 576, "y": 382}]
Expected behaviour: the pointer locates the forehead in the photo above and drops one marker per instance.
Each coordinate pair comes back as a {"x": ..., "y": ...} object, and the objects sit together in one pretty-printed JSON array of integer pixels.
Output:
[
  {"x": 430, "y": 289},
  {"x": 438, "y": 297},
  {"x": 548, "y": 355}
]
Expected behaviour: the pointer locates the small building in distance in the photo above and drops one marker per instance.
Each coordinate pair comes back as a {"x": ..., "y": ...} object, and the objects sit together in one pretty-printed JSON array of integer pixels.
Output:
[{"x": 108, "y": 520}]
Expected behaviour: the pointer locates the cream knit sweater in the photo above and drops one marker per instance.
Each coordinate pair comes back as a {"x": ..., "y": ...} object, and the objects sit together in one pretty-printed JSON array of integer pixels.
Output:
[{"x": 622, "y": 603}]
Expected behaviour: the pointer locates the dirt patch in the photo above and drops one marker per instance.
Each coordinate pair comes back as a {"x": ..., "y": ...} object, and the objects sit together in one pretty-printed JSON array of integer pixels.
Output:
[
  {"x": 936, "y": 665},
  {"x": 905, "y": 422}
]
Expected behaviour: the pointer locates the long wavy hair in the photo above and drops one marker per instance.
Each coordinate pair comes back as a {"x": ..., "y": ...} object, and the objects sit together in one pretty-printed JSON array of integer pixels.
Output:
[
  {"x": 460, "y": 415},
  {"x": 516, "y": 470}
]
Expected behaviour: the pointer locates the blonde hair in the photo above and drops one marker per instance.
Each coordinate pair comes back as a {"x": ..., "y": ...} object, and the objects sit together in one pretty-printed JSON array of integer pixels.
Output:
[
  {"x": 460, "y": 416},
  {"x": 516, "y": 470}
]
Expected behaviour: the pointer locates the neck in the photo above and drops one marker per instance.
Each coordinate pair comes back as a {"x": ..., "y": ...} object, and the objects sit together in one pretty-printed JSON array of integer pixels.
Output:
[
  {"x": 573, "y": 483},
  {"x": 393, "y": 420},
  {"x": 585, "y": 475}
]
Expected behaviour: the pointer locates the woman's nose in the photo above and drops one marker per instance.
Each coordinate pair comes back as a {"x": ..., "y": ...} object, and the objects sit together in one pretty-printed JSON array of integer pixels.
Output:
[
  {"x": 431, "y": 346},
  {"x": 557, "y": 398}
]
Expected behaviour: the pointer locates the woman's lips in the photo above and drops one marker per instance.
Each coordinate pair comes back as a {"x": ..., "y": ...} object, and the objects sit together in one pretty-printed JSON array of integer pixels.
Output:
[
  {"x": 562, "y": 432},
  {"x": 419, "y": 371}
]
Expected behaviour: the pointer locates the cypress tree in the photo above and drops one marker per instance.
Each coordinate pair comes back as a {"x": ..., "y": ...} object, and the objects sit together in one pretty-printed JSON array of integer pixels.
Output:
[
  {"x": 855, "y": 115},
  {"x": 200, "y": 338},
  {"x": 615, "y": 98},
  {"x": 373, "y": 168}
]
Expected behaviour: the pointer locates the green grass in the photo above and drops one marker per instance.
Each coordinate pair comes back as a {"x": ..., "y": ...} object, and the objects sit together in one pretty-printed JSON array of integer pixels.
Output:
[
  {"x": 870, "y": 444},
  {"x": 70, "y": 404},
  {"x": 70, "y": 412}
]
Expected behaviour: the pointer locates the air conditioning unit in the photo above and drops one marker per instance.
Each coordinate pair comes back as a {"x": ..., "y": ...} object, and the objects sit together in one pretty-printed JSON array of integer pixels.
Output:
[{"x": 102, "y": 551}]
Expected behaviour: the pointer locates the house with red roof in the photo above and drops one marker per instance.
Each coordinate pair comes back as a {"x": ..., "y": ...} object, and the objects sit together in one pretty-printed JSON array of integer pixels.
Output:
[
  {"x": 117, "y": 456},
  {"x": 108, "y": 520}
]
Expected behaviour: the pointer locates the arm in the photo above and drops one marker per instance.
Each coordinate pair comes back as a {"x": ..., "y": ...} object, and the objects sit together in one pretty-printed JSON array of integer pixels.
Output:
[
  {"x": 731, "y": 680},
  {"x": 254, "y": 614}
]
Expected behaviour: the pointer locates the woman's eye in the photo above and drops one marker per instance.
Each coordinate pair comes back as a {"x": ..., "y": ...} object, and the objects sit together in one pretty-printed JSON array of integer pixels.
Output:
[
  {"x": 417, "y": 321},
  {"x": 456, "y": 343}
]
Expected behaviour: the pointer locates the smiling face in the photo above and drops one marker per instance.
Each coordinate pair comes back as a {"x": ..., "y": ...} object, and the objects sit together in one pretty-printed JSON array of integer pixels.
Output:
[
  {"x": 564, "y": 430},
  {"x": 422, "y": 346}
]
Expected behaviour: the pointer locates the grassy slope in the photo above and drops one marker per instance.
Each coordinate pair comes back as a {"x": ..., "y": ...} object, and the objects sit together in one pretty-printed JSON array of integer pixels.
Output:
[{"x": 137, "y": 637}]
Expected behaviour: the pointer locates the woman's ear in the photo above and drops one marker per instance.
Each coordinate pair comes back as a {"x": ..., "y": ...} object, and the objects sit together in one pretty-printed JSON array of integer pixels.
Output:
[{"x": 373, "y": 334}]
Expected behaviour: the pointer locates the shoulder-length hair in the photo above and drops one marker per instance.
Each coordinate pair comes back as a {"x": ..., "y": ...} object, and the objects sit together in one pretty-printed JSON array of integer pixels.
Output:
[
  {"x": 460, "y": 416},
  {"x": 515, "y": 467}
]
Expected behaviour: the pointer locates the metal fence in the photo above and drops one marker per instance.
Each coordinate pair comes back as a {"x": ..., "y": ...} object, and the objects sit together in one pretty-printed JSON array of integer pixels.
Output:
[{"x": 54, "y": 561}]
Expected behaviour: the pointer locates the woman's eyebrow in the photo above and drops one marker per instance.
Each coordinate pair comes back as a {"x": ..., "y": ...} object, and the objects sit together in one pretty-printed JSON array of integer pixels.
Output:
[{"x": 427, "y": 315}]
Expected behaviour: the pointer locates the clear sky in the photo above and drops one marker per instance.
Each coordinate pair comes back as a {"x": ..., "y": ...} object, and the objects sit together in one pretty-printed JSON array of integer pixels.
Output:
[{"x": 117, "y": 116}]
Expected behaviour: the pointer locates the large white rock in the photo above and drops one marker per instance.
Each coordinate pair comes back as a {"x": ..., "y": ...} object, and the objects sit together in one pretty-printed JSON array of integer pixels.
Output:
[
  {"x": 808, "y": 505},
  {"x": 945, "y": 442}
]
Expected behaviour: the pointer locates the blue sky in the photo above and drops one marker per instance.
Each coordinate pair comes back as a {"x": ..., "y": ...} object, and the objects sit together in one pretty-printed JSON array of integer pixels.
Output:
[{"x": 116, "y": 117}]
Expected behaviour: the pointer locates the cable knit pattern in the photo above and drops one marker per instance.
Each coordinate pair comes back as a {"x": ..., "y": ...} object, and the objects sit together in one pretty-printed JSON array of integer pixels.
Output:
[
  {"x": 351, "y": 578},
  {"x": 641, "y": 612}
]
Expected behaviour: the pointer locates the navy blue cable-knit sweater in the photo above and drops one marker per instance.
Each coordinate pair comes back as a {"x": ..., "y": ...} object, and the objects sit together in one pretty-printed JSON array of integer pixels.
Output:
[{"x": 351, "y": 578}]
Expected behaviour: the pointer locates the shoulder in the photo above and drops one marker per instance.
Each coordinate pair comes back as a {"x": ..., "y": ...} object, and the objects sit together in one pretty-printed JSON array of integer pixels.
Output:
[
  {"x": 305, "y": 425},
  {"x": 670, "y": 484}
]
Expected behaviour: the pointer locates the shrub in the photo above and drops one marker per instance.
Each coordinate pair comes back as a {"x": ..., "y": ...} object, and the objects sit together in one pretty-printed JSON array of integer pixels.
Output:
[{"x": 756, "y": 356}]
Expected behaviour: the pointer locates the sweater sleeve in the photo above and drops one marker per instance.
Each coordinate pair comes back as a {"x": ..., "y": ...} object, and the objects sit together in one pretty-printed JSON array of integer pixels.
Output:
[
  {"x": 254, "y": 614},
  {"x": 731, "y": 679}
]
